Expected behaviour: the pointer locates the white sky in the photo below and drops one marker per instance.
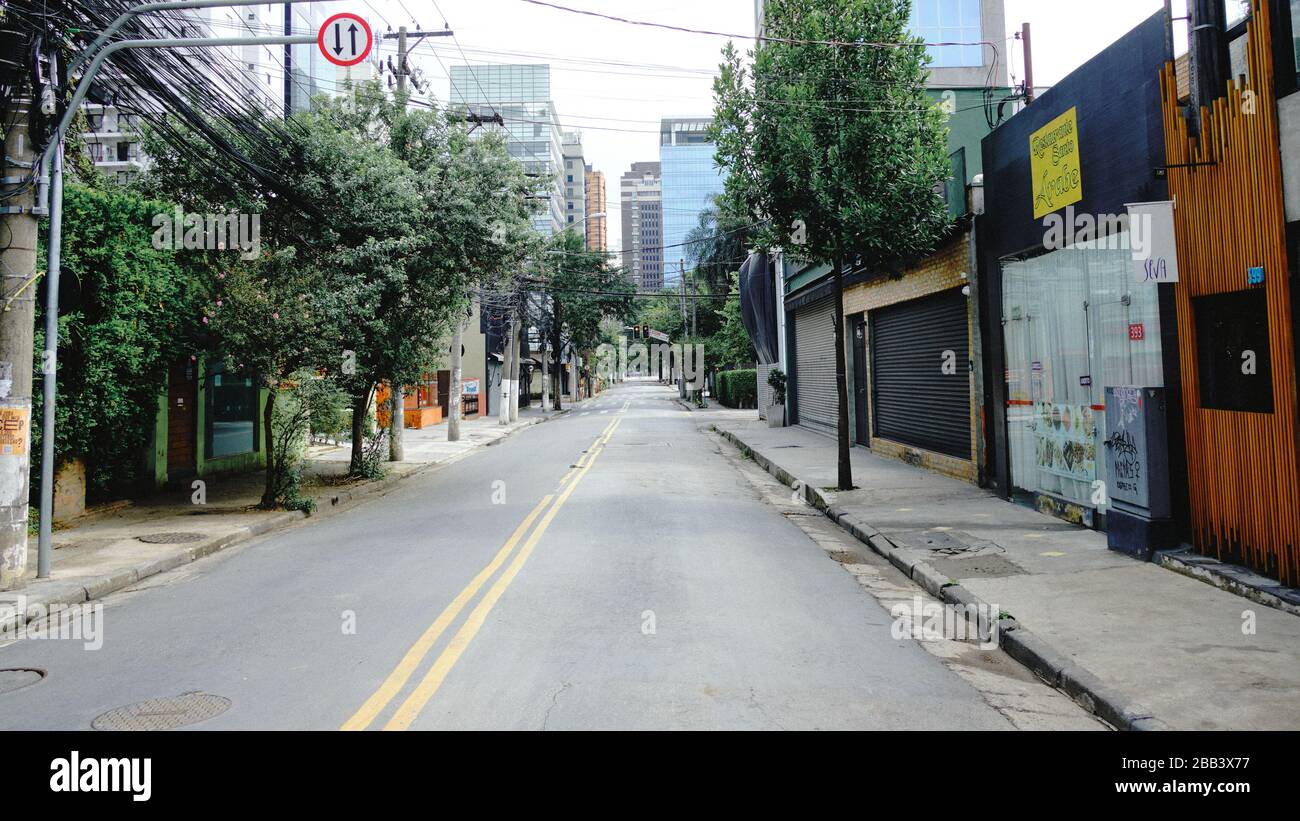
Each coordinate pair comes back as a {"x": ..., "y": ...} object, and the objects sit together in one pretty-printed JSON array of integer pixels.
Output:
[{"x": 614, "y": 81}]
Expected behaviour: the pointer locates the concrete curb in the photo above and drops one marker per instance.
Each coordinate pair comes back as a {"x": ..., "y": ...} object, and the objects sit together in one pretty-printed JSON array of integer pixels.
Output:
[
  {"x": 1236, "y": 580},
  {"x": 1087, "y": 690},
  {"x": 67, "y": 592}
]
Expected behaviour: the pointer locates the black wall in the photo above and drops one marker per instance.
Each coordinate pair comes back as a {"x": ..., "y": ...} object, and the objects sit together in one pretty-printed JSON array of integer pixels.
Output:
[{"x": 1121, "y": 143}]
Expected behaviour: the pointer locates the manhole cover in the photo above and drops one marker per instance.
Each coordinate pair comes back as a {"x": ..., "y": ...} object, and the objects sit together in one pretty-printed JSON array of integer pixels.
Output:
[
  {"x": 170, "y": 538},
  {"x": 163, "y": 713},
  {"x": 18, "y": 678}
]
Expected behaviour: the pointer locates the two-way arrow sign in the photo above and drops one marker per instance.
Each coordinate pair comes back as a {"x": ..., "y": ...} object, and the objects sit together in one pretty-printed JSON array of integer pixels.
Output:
[{"x": 339, "y": 42}]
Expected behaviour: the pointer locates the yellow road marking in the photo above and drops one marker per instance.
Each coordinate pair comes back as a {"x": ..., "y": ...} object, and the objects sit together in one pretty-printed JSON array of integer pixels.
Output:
[
  {"x": 433, "y": 680},
  {"x": 402, "y": 673}
]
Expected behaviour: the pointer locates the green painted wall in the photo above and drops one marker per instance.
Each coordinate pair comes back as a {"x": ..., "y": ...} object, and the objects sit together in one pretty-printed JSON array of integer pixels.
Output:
[{"x": 206, "y": 466}]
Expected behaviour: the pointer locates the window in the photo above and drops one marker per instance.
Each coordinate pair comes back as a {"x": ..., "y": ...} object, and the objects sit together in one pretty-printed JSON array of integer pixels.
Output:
[
  {"x": 230, "y": 410},
  {"x": 950, "y": 21},
  {"x": 1074, "y": 323},
  {"x": 1232, "y": 351},
  {"x": 1295, "y": 32}
]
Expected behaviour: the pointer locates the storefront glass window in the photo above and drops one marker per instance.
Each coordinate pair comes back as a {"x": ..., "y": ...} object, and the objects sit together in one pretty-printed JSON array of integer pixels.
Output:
[
  {"x": 230, "y": 413},
  {"x": 1075, "y": 321}
]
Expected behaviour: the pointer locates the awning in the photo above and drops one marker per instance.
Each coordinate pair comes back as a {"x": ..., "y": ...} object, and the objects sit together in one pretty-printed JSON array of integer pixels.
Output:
[{"x": 758, "y": 306}]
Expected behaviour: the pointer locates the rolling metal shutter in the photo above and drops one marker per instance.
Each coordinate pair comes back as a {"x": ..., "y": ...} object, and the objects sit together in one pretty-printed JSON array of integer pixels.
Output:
[
  {"x": 814, "y": 361},
  {"x": 915, "y": 402}
]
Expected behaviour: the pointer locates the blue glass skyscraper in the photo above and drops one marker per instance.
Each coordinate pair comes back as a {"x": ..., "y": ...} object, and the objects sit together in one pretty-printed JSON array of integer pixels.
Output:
[{"x": 690, "y": 181}]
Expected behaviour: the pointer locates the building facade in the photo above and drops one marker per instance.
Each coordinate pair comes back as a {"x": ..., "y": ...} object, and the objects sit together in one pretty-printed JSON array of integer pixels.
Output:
[
  {"x": 521, "y": 94},
  {"x": 913, "y": 337},
  {"x": 691, "y": 179},
  {"x": 641, "y": 200},
  {"x": 1071, "y": 331},
  {"x": 597, "y": 211},
  {"x": 1237, "y": 222},
  {"x": 575, "y": 184}
]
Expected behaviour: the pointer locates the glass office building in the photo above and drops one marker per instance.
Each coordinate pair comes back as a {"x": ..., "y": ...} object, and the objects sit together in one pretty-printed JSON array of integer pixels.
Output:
[
  {"x": 690, "y": 180},
  {"x": 521, "y": 94}
]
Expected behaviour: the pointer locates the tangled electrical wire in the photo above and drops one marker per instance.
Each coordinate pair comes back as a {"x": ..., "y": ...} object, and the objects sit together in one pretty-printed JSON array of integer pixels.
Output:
[{"x": 177, "y": 92}]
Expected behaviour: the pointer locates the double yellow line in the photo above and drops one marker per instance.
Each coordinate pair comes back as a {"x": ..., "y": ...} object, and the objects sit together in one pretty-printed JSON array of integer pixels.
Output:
[{"x": 428, "y": 686}]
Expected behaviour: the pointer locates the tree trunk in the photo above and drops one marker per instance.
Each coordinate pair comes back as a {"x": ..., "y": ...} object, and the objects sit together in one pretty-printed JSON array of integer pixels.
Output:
[
  {"x": 841, "y": 380},
  {"x": 453, "y": 400},
  {"x": 359, "y": 406},
  {"x": 269, "y": 493}
]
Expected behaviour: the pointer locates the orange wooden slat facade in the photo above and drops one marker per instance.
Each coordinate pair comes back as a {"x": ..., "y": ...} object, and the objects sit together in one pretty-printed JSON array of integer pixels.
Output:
[{"x": 1243, "y": 468}]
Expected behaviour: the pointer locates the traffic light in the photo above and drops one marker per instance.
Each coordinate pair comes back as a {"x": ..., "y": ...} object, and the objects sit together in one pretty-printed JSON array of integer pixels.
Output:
[{"x": 645, "y": 331}]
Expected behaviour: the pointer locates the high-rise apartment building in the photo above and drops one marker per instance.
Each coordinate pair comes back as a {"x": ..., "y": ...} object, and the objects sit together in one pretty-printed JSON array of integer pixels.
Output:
[
  {"x": 597, "y": 210},
  {"x": 691, "y": 180},
  {"x": 521, "y": 94},
  {"x": 575, "y": 184},
  {"x": 641, "y": 198},
  {"x": 112, "y": 137}
]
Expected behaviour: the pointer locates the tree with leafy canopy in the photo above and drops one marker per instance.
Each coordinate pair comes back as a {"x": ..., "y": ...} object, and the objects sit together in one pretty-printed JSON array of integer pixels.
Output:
[
  {"x": 580, "y": 290},
  {"x": 127, "y": 311},
  {"x": 831, "y": 139}
]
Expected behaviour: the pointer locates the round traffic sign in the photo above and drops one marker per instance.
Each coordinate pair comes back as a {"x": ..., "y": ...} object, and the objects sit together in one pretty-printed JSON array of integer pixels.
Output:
[{"x": 345, "y": 39}]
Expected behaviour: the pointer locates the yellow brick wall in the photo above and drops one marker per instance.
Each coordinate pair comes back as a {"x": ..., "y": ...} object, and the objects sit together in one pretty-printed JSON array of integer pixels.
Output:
[{"x": 940, "y": 271}]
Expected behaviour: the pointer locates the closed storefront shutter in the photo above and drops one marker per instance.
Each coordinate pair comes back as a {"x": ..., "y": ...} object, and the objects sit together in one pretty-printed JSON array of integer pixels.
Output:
[
  {"x": 917, "y": 400},
  {"x": 814, "y": 360}
]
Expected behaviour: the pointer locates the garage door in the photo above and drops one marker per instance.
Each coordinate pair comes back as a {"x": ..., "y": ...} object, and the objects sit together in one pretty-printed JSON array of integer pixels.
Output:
[
  {"x": 814, "y": 361},
  {"x": 917, "y": 400}
]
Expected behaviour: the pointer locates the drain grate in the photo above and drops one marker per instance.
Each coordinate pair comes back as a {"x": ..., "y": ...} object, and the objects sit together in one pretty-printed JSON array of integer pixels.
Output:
[
  {"x": 175, "y": 537},
  {"x": 19, "y": 677},
  {"x": 163, "y": 713}
]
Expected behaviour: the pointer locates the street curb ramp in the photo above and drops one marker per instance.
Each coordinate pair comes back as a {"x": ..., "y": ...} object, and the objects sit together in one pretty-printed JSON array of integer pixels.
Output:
[{"x": 1040, "y": 658}]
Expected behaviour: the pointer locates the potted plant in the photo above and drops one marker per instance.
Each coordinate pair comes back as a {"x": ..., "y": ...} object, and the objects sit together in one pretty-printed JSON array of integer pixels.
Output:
[{"x": 776, "y": 412}]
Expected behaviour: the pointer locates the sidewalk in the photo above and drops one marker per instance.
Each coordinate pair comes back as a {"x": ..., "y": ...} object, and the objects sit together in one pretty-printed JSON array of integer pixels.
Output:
[
  {"x": 1142, "y": 646},
  {"x": 111, "y": 550}
]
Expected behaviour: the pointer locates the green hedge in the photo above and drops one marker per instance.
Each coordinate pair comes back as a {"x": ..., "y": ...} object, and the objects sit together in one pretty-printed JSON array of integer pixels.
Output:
[{"x": 738, "y": 389}]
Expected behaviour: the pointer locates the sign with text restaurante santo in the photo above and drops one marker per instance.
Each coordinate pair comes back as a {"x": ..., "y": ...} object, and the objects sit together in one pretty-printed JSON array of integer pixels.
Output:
[{"x": 1054, "y": 164}]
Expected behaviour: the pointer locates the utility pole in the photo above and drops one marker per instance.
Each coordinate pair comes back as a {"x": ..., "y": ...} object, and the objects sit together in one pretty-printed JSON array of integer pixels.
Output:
[
  {"x": 49, "y": 362},
  {"x": 681, "y": 370},
  {"x": 1027, "y": 42},
  {"x": 17, "y": 275},
  {"x": 519, "y": 330},
  {"x": 454, "y": 399},
  {"x": 288, "y": 62},
  {"x": 397, "y": 397}
]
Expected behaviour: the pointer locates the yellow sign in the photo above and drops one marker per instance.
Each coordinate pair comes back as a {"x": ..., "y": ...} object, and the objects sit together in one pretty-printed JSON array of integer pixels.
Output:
[
  {"x": 1054, "y": 164},
  {"x": 13, "y": 431}
]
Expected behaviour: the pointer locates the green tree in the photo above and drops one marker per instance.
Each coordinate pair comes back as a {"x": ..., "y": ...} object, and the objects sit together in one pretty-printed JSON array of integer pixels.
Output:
[
  {"x": 127, "y": 311},
  {"x": 832, "y": 139},
  {"x": 581, "y": 291}
]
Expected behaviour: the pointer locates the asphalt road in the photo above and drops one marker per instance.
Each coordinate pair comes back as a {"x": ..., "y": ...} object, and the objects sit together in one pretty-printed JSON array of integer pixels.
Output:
[{"x": 606, "y": 569}]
